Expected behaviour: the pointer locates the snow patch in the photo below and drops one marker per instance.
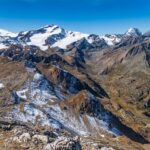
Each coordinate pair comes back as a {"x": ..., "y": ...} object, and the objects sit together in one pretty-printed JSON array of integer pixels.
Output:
[
  {"x": 111, "y": 39},
  {"x": 34, "y": 115},
  {"x": 1, "y": 86},
  {"x": 22, "y": 94},
  {"x": 37, "y": 76}
]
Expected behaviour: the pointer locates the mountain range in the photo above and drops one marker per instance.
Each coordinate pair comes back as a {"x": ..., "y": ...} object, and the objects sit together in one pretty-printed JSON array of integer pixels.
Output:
[
  {"x": 54, "y": 36},
  {"x": 66, "y": 90}
]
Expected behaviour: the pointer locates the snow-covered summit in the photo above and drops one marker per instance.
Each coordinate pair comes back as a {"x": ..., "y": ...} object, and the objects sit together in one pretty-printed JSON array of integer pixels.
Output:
[
  {"x": 46, "y": 36},
  {"x": 133, "y": 32},
  {"x": 50, "y": 36}
]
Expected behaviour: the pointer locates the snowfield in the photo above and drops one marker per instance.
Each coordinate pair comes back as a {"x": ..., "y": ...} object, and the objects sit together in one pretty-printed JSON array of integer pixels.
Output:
[{"x": 71, "y": 37}]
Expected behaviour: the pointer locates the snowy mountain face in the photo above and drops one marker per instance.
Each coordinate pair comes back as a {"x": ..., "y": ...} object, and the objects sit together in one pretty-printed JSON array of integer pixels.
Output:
[
  {"x": 42, "y": 37},
  {"x": 112, "y": 39},
  {"x": 50, "y": 36},
  {"x": 133, "y": 32}
]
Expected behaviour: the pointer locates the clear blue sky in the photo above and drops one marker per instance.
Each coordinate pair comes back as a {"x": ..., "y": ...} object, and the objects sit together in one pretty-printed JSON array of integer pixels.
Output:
[{"x": 89, "y": 16}]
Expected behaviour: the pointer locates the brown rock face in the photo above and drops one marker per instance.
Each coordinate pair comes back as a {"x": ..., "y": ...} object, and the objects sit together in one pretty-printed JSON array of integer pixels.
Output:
[
  {"x": 124, "y": 73},
  {"x": 12, "y": 75}
]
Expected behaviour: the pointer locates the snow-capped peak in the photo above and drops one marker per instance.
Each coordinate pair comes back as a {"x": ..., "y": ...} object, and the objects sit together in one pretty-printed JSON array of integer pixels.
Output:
[
  {"x": 51, "y": 36},
  {"x": 133, "y": 32},
  {"x": 45, "y": 36},
  {"x": 111, "y": 39},
  {"x": 7, "y": 33}
]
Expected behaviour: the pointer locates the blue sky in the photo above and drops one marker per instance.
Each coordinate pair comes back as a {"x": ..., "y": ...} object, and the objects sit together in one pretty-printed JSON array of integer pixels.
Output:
[{"x": 89, "y": 16}]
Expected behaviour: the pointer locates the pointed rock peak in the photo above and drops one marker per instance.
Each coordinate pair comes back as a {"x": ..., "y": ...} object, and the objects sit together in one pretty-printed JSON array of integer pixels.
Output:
[{"x": 133, "y": 32}]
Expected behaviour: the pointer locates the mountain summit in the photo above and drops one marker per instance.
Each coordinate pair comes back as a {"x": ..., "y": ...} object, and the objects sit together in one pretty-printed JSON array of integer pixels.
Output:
[{"x": 133, "y": 32}]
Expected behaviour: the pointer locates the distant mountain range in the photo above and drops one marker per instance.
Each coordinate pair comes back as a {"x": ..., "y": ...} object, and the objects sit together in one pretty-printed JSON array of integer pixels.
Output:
[{"x": 55, "y": 36}]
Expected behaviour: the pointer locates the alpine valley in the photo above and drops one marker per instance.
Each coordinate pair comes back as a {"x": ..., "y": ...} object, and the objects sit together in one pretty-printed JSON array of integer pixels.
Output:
[{"x": 65, "y": 90}]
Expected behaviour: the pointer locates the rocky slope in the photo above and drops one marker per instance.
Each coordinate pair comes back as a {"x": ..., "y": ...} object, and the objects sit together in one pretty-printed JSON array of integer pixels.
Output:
[{"x": 67, "y": 90}]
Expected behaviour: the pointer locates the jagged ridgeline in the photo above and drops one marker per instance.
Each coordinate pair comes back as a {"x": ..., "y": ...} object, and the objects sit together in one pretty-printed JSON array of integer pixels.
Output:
[{"x": 64, "y": 90}]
